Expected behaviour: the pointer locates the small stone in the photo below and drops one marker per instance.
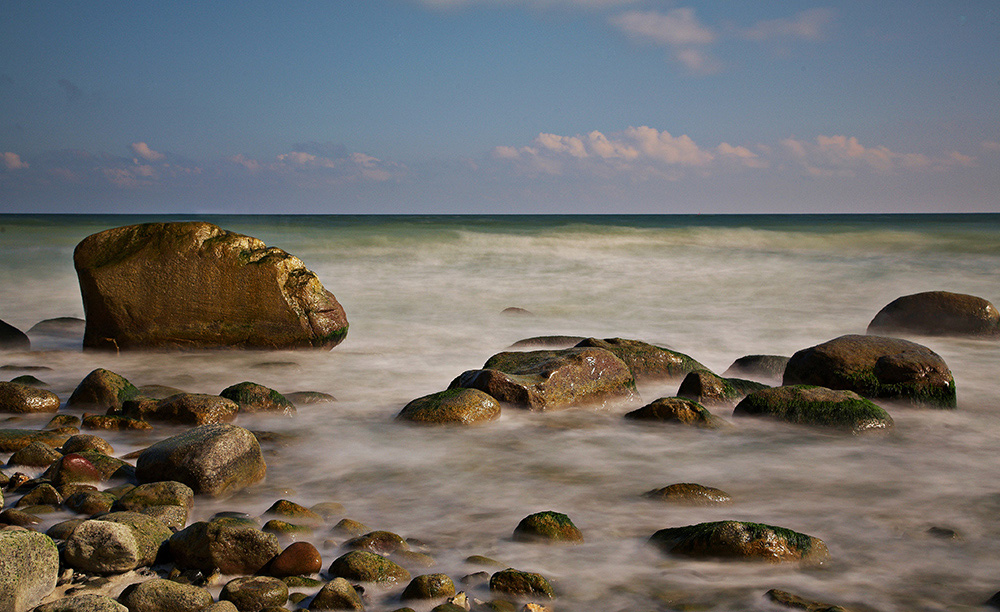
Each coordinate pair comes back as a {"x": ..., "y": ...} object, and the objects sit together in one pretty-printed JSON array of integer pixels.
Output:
[
  {"x": 676, "y": 410},
  {"x": 309, "y": 398},
  {"x": 521, "y": 584},
  {"x": 458, "y": 406},
  {"x": 230, "y": 545},
  {"x": 253, "y": 593},
  {"x": 364, "y": 566},
  {"x": 102, "y": 389},
  {"x": 36, "y": 454},
  {"x": 63, "y": 420},
  {"x": 298, "y": 559},
  {"x": 378, "y": 542},
  {"x": 429, "y": 586},
  {"x": 547, "y": 526},
  {"x": 739, "y": 540},
  {"x": 349, "y": 527},
  {"x": 42, "y": 495},
  {"x": 798, "y": 603},
  {"x": 114, "y": 423},
  {"x": 85, "y": 442},
  {"x": 26, "y": 399},
  {"x": 163, "y": 595},
  {"x": 291, "y": 510},
  {"x": 690, "y": 493},
  {"x": 338, "y": 594},
  {"x": 253, "y": 398}
]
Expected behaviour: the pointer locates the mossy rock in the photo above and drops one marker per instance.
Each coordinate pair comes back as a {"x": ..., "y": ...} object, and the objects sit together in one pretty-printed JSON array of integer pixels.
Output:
[
  {"x": 677, "y": 410},
  {"x": 458, "y": 406},
  {"x": 547, "y": 526},
  {"x": 338, "y": 594},
  {"x": 378, "y": 542},
  {"x": 808, "y": 405},
  {"x": 647, "y": 362},
  {"x": 364, "y": 566},
  {"x": 552, "y": 380},
  {"x": 690, "y": 494},
  {"x": 160, "y": 493},
  {"x": 350, "y": 527},
  {"x": 113, "y": 422},
  {"x": 252, "y": 397},
  {"x": 429, "y": 586},
  {"x": 288, "y": 509},
  {"x": 708, "y": 388},
  {"x": 285, "y": 529},
  {"x": 742, "y": 541},
  {"x": 877, "y": 368},
  {"x": 521, "y": 584},
  {"x": 102, "y": 389},
  {"x": 13, "y": 440},
  {"x": 255, "y": 592}
]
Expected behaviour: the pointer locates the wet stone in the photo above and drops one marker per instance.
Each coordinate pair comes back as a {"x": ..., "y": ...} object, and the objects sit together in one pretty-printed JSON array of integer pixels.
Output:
[
  {"x": 547, "y": 526},
  {"x": 521, "y": 584},
  {"x": 429, "y": 586},
  {"x": 690, "y": 494},
  {"x": 36, "y": 454},
  {"x": 676, "y": 410},
  {"x": 26, "y": 399},
  {"x": 87, "y": 442},
  {"x": 379, "y": 542},
  {"x": 253, "y": 398},
  {"x": 253, "y": 593},
  {"x": 364, "y": 566},
  {"x": 338, "y": 594},
  {"x": 297, "y": 559}
]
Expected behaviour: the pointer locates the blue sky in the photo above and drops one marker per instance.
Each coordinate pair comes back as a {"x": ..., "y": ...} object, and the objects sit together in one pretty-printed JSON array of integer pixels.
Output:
[{"x": 493, "y": 106}]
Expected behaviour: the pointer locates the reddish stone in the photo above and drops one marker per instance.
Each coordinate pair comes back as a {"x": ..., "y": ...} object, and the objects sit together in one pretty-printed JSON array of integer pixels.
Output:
[{"x": 298, "y": 559}]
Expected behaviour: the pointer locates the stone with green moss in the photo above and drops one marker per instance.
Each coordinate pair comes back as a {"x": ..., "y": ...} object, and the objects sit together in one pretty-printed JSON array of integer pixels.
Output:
[
  {"x": 676, "y": 410},
  {"x": 380, "y": 542},
  {"x": 552, "y": 380},
  {"x": 459, "y": 406},
  {"x": 429, "y": 586},
  {"x": 691, "y": 494},
  {"x": 30, "y": 563},
  {"x": 742, "y": 541},
  {"x": 877, "y": 368},
  {"x": 547, "y": 526},
  {"x": 285, "y": 529},
  {"x": 711, "y": 389},
  {"x": 647, "y": 362},
  {"x": 252, "y": 397},
  {"x": 288, "y": 509},
  {"x": 364, "y": 566},
  {"x": 808, "y": 405},
  {"x": 521, "y": 584},
  {"x": 102, "y": 389},
  {"x": 338, "y": 594}
]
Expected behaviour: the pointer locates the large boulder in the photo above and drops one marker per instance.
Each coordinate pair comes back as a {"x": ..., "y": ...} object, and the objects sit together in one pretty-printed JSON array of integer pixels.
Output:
[
  {"x": 214, "y": 460},
  {"x": 116, "y": 542},
  {"x": 807, "y": 405},
  {"x": 193, "y": 285},
  {"x": 19, "y": 398},
  {"x": 550, "y": 380},
  {"x": 103, "y": 390},
  {"x": 877, "y": 368},
  {"x": 740, "y": 540},
  {"x": 29, "y": 567},
  {"x": 937, "y": 313},
  {"x": 230, "y": 545},
  {"x": 646, "y": 361}
]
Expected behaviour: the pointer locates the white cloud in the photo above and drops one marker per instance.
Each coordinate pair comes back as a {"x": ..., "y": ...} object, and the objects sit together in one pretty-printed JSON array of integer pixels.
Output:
[
  {"x": 676, "y": 28},
  {"x": 142, "y": 150},
  {"x": 12, "y": 161},
  {"x": 845, "y": 156},
  {"x": 809, "y": 25},
  {"x": 741, "y": 155}
]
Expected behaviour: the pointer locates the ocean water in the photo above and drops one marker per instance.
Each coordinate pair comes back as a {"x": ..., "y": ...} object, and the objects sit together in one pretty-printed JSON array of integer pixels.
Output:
[{"x": 424, "y": 297}]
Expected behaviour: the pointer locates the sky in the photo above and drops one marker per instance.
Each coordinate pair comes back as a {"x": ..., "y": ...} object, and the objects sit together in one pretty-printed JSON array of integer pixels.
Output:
[{"x": 499, "y": 106}]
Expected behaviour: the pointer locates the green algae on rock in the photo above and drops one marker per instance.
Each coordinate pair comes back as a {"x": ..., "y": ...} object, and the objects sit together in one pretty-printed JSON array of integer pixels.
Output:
[
  {"x": 521, "y": 584},
  {"x": 547, "y": 526},
  {"x": 677, "y": 410},
  {"x": 364, "y": 566},
  {"x": 876, "y": 367},
  {"x": 808, "y": 405},
  {"x": 742, "y": 541},
  {"x": 459, "y": 406},
  {"x": 252, "y": 397}
]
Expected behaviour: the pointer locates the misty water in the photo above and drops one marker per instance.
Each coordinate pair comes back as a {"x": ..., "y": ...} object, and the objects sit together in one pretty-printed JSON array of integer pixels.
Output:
[{"x": 424, "y": 297}]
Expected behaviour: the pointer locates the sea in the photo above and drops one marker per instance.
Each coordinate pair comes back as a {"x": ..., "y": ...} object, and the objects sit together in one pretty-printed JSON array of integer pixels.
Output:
[{"x": 911, "y": 519}]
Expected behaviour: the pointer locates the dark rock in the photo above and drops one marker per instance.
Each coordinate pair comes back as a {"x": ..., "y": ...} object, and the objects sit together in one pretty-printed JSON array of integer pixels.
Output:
[
  {"x": 291, "y": 510},
  {"x": 253, "y": 593},
  {"x": 548, "y": 380},
  {"x": 29, "y": 380},
  {"x": 30, "y": 563},
  {"x": 521, "y": 584},
  {"x": 116, "y": 542},
  {"x": 20, "y": 518},
  {"x": 298, "y": 559},
  {"x": 87, "y": 467},
  {"x": 42, "y": 495},
  {"x": 364, "y": 566},
  {"x": 739, "y": 540},
  {"x": 807, "y": 405},
  {"x": 429, "y": 586},
  {"x": 214, "y": 460},
  {"x": 548, "y": 342},
  {"x": 798, "y": 603},
  {"x": 88, "y": 602},
  {"x": 192, "y": 284},
  {"x": 285, "y": 529},
  {"x": 762, "y": 368},
  {"x": 691, "y": 494},
  {"x": 547, "y": 526},
  {"x": 230, "y": 545},
  {"x": 13, "y": 440},
  {"x": 338, "y": 594},
  {"x": 158, "y": 392},
  {"x": 877, "y": 368},
  {"x": 60, "y": 421},
  {"x": 516, "y": 311},
  {"x": 25, "y": 399},
  {"x": 102, "y": 389},
  {"x": 251, "y": 397},
  {"x": 36, "y": 454},
  {"x": 87, "y": 442},
  {"x": 378, "y": 542},
  {"x": 159, "y": 595},
  {"x": 455, "y": 406},
  {"x": 13, "y": 339},
  {"x": 676, "y": 410},
  {"x": 709, "y": 389},
  {"x": 90, "y": 502},
  {"x": 63, "y": 529},
  {"x": 184, "y": 409},
  {"x": 309, "y": 398},
  {"x": 937, "y": 313},
  {"x": 647, "y": 361}
]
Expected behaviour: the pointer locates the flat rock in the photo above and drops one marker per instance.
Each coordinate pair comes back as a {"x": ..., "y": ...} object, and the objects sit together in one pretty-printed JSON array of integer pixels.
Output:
[
  {"x": 808, "y": 405},
  {"x": 184, "y": 409},
  {"x": 29, "y": 568},
  {"x": 213, "y": 460},
  {"x": 195, "y": 285},
  {"x": 937, "y": 313},
  {"x": 876, "y": 367},
  {"x": 741, "y": 541},
  {"x": 12, "y": 440}
]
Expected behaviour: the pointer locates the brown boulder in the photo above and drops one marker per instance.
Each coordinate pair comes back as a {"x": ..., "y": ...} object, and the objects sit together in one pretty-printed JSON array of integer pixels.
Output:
[
  {"x": 195, "y": 285},
  {"x": 938, "y": 313}
]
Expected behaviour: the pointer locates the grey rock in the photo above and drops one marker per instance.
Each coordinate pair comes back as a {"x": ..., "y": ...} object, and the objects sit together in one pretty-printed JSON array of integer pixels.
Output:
[
  {"x": 159, "y": 595},
  {"x": 29, "y": 568}
]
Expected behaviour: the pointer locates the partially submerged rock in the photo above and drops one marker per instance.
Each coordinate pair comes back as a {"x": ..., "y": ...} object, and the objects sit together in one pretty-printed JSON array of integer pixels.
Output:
[
  {"x": 762, "y": 368},
  {"x": 877, "y": 368},
  {"x": 230, "y": 545},
  {"x": 690, "y": 494},
  {"x": 195, "y": 285},
  {"x": 808, "y": 405},
  {"x": 13, "y": 339},
  {"x": 338, "y": 594},
  {"x": 213, "y": 460},
  {"x": 160, "y": 594},
  {"x": 938, "y": 313},
  {"x": 429, "y": 586},
  {"x": 742, "y": 541},
  {"x": 184, "y": 409},
  {"x": 646, "y": 361},
  {"x": 549, "y": 527},
  {"x": 12, "y": 440},
  {"x": 21, "y": 399},
  {"x": 795, "y": 602},
  {"x": 364, "y": 566},
  {"x": 549, "y": 380},
  {"x": 708, "y": 388},
  {"x": 459, "y": 406},
  {"x": 253, "y": 397},
  {"x": 521, "y": 584},
  {"x": 102, "y": 390},
  {"x": 676, "y": 410}
]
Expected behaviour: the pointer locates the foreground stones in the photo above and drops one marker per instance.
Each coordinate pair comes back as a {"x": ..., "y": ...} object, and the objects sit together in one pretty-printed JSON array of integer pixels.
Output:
[
  {"x": 551, "y": 380},
  {"x": 875, "y": 367},
  {"x": 115, "y": 543},
  {"x": 938, "y": 313},
  {"x": 213, "y": 460},
  {"x": 808, "y": 405},
  {"x": 229, "y": 545},
  {"x": 29, "y": 567},
  {"x": 195, "y": 285},
  {"x": 740, "y": 540}
]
